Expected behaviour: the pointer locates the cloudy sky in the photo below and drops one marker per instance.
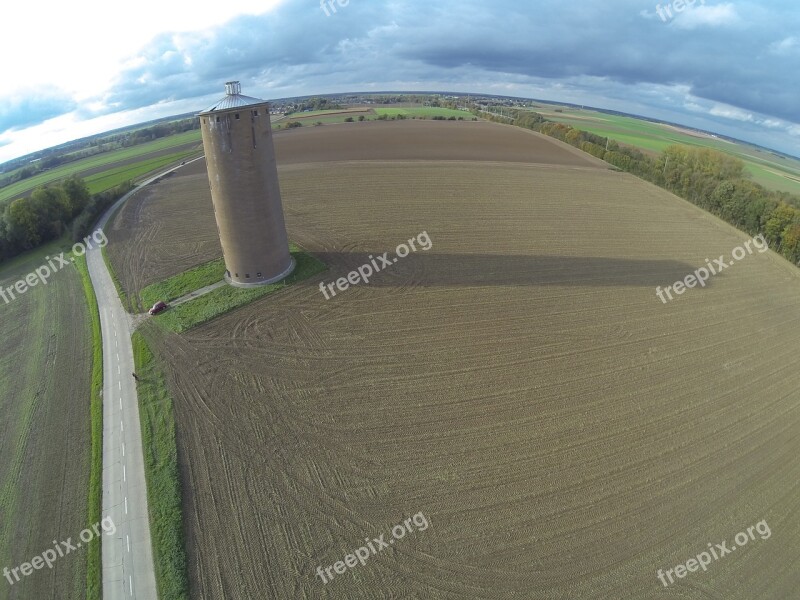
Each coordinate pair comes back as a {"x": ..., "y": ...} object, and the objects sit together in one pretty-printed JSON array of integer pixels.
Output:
[{"x": 71, "y": 69}]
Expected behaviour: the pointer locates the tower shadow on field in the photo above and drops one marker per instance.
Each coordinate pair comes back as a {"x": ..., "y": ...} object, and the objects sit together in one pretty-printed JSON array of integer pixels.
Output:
[{"x": 436, "y": 269}]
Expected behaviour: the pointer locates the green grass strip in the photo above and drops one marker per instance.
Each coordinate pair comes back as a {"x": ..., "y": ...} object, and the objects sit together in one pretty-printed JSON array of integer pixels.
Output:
[
  {"x": 226, "y": 298},
  {"x": 424, "y": 111},
  {"x": 115, "y": 278},
  {"x": 198, "y": 277},
  {"x": 100, "y": 182},
  {"x": 95, "y": 504},
  {"x": 161, "y": 472}
]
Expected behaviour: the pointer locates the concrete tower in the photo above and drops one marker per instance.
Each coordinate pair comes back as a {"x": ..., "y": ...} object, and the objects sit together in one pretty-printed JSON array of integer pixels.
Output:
[{"x": 240, "y": 157}]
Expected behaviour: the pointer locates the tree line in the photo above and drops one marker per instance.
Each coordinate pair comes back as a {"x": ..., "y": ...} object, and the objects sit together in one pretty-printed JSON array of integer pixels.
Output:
[
  {"x": 712, "y": 180},
  {"x": 51, "y": 212}
]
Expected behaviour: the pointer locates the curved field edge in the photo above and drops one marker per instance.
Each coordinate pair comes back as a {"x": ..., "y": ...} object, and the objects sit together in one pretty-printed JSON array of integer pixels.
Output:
[
  {"x": 721, "y": 189},
  {"x": 94, "y": 557},
  {"x": 480, "y": 349},
  {"x": 512, "y": 371},
  {"x": 162, "y": 475}
]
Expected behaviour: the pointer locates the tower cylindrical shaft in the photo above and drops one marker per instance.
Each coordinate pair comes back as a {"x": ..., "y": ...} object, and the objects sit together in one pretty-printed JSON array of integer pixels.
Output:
[{"x": 243, "y": 175}]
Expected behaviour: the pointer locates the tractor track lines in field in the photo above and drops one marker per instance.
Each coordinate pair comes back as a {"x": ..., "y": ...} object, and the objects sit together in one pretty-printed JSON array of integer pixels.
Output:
[{"x": 520, "y": 383}]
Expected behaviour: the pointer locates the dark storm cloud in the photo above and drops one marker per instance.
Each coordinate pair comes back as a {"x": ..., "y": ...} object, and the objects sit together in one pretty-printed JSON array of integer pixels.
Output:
[
  {"x": 246, "y": 48},
  {"x": 616, "y": 54},
  {"x": 730, "y": 54},
  {"x": 725, "y": 56}
]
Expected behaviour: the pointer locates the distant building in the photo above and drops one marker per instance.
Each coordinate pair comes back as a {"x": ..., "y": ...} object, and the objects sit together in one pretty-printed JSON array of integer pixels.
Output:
[{"x": 243, "y": 175}]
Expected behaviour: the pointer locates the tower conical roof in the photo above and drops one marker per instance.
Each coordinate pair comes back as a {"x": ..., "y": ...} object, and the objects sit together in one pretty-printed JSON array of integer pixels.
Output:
[{"x": 233, "y": 99}]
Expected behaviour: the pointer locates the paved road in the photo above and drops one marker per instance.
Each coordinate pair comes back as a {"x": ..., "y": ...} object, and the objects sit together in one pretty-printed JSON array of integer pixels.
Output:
[{"x": 128, "y": 556}]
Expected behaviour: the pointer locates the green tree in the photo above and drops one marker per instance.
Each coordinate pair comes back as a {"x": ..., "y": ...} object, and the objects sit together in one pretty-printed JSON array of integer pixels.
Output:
[
  {"x": 778, "y": 221},
  {"x": 78, "y": 194},
  {"x": 791, "y": 243},
  {"x": 24, "y": 224},
  {"x": 53, "y": 206}
]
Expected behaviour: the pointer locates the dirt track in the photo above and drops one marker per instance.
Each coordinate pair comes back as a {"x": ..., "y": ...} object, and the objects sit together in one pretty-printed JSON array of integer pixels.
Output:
[{"x": 520, "y": 384}]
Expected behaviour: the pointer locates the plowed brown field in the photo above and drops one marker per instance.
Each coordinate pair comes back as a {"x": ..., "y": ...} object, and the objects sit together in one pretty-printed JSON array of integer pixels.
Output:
[{"x": 565, "y": 433}]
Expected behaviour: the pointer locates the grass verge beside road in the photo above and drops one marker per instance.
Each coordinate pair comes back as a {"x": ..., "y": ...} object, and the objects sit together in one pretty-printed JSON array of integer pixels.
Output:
[
  {"x": 95, "y": 504},
  {"x": 184, "y": 283},
  {"x": 223, "y": 299},
  {"x": 123, "y": 297},
  {"x": 162, "y": 475}
]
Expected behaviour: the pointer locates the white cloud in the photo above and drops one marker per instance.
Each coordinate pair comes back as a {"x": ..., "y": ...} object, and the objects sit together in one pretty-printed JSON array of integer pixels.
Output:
[
  {"x": 73, "y": 126},
  {"x": 787, "y": 46},
  {"x": 717, "y": 15},
  {"x": 79, "y": 46},
  {"x": 731, "y": 112}
]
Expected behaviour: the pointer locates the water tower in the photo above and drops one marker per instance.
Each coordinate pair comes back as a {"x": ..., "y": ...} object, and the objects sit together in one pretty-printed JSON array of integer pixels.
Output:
[{"x": 240, "y": 158}]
